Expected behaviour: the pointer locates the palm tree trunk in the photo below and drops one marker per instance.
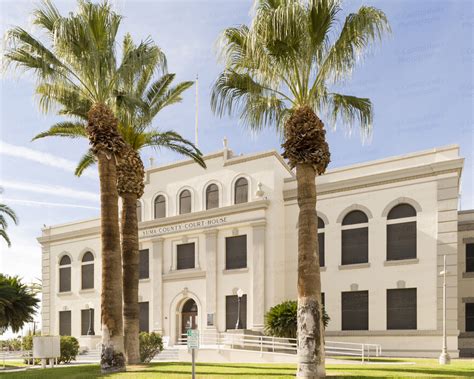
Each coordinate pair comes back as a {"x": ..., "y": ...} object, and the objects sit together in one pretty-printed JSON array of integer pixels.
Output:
[
  {"x": 310, "y": 320},
  {"x": 112, "y": 358},
  {"x": 107, "y": 144},
  {"x": 130, "y": 263}
]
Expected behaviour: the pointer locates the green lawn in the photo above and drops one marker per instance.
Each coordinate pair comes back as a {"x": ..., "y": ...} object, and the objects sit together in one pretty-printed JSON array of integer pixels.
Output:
[{"x": 422, "y": 368}]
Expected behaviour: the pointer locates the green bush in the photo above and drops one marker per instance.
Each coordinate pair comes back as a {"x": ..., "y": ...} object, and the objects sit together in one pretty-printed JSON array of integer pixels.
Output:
[
  {"x": 281, "y": 320},
  {"x": 150, "y": 345},
  {"x": 69, "y": 348},
  {"x": 12, "y": 344}
]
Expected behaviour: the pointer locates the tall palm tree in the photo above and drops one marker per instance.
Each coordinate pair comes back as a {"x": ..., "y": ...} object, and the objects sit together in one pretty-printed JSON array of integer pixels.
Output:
[
  {"x": 277, "y": 74},
  {"x": 5, "y": 210},
  {"x": 18, "y": 303},
  {"x": 135, "y": 126},
  {"x": 79, "y": 60}
]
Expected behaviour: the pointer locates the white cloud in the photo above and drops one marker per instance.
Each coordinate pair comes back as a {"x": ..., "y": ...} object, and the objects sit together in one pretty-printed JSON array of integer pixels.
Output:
[
  {"x": 46, "y": 203},
  {"x": 43, "y": 158},
  {"x": 57, "y": 191}
]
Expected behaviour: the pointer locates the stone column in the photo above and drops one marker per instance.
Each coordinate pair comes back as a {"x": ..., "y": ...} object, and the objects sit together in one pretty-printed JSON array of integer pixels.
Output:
[
  {"x": 46, "y": 269},
  {"x": 258, "y": 275},
  {"x": 157, "y": 284},
  {"x": 211, "y": 279}
]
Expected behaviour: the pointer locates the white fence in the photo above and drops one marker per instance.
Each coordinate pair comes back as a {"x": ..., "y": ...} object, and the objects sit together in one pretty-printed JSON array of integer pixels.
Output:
[{"x": 268, "y": 344}]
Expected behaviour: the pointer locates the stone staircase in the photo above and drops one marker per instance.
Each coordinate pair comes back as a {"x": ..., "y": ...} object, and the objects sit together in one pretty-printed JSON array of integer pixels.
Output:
[
  {"x": 170, "y": 354},
  {"x": 89, "y": 356}
]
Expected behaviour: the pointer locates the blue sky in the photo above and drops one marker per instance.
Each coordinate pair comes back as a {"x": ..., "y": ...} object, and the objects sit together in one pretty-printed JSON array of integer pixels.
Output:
[{"x": 420, "y": 80}]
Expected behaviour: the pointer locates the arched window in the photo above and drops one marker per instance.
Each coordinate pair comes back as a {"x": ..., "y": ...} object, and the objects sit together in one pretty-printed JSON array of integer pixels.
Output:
[
  {"x": 355, "y": 238},
  {"x": 139, "y": 211},
  {"x": 160, "y": 206},
  {"x": 185, "y": 202},
  {"x": 65, "y": 274},
  {"x": 212, "y": 196},
  {"x": 87, "y": 271},
  {"x": 321, "y": 241},
  {"x": 401, "y": 233},
  {"x": 241, "y": 194}
]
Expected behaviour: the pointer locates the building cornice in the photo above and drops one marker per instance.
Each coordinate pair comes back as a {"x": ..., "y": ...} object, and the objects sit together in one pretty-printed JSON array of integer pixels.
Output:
[
  {"x": 251, "y": 157},
  {"x": 379, "y": 179},
  {"x": 189, "y": 217}
]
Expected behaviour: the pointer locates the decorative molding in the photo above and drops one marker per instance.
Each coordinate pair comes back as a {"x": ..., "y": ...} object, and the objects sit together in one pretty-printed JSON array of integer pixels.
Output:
[
  {"x": 236, "y": 271},
  {"x": 354, "y": 207},
  {"x": 468, "y": 275},
  {"x": 185, "y": 275},
  {"x": 354, "y": 266},
  {"x": 400, "y": 262},
  {"x": 401, "y": 200}
]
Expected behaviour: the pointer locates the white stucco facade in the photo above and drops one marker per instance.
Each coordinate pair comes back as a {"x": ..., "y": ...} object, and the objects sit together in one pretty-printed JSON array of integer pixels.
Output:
[{"x": 428, "y": 181}]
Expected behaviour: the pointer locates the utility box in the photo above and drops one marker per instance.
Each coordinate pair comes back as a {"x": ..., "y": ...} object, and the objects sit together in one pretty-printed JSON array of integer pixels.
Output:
[{"x": 46, "y": 347}]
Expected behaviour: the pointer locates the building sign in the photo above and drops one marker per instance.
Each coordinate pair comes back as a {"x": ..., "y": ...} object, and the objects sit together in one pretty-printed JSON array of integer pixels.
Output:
[
  {"x": 192, "y": 338},
  {"x": 182, "y": 227}
]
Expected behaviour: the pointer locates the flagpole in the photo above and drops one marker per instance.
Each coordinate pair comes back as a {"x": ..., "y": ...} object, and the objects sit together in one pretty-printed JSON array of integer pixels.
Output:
[
  {"x": 196, "y": 139},
  {"x": 444, "y": 358}
]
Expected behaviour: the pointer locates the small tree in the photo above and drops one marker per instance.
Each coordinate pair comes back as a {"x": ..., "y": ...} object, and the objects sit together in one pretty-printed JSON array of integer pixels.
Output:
[
  {"x": 150, "y": 345},
  {"x": 281, "y": 320}
]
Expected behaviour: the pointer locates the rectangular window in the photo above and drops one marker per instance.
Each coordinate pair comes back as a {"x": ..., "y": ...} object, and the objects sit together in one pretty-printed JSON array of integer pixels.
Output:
[
  {"x": 323, "y": 299},
  {"x": 321, "y": 249},
  {"x": 401, "y": 308},
  {"x": 64, "y": 323},
  {"x": 355, "y": 310},
  {"x": 144, "y": 318},
  {"x": 355, "y": 246},
  {"x": 236, "y": 252},
  {"x": 231, "y": 309},
  {"x": 185, "y": 256},
  {"x": 65, "y": 279},
  {"x": 469, "y": 317},
  {"x": 470, "y": 257},
  {"x": 144, "y": 266},
  {"x": 87, "y": 276},
  {"x": 87, "y": 321},
  {"x": 401, "y": 241}
]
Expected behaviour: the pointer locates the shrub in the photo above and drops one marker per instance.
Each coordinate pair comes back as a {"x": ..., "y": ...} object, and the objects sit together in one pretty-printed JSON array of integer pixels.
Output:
[
  {"x": 69, "y": 348},
  {"x": 150, "y": 345},
  {"x": 281, "y": 320}
]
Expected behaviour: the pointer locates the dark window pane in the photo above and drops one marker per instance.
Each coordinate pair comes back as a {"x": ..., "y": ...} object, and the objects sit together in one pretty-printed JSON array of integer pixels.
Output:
[
  {"x": 401, "y": 308},
  {"x": 88, "y": 257},
  {"x": 64, "y": 323},
  {"x": 355, "y": 246},
  {"x": 469, "y": 317},
  {"x": 401, "y": 211},
  {"x": 323, "y": 299},
  {"x": 321, "y": 249},
  {"x": 160, "y": 206},
  {"x": 144, "y": 317},
  {"x": 231, "y": 308},
  {"x": 355, "y": 310},
  {"x": 470, "y": 257},
  {"x": 236, "y": 252},
  {"x": 144, "y": 265},
  {"x": 320, "y": 223},
  {"x": 65, "y": 279},
  {"x": 185, "y": 202},
  {"x": 85, "y": 322},
  {"x": 139, "y": 211},
  {"x": 241, "y": 191},
  {"x": 401, "y": 241},
  {"x": 87, "y": 276},
  {"x": 185, "y": 256},
  {"x": 212, "y": 196},
  {"x": 65, "y": 261},
  {"x": 189, "y": 306},
  {"x": 355, "y": 217}
]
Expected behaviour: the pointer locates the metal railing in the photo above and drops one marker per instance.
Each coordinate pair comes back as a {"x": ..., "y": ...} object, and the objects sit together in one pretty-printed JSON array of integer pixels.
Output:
[
  {"x": 26, "y": 355},
  {"x": 277, "y": 345}
]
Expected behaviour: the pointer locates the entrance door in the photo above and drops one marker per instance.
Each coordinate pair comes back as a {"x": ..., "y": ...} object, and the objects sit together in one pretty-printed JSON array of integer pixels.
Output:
[{"x": 189, "y": 316}]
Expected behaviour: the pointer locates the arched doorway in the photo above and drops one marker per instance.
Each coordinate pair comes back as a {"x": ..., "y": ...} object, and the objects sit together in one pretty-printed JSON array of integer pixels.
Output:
[{"x": 189, "y": 314}]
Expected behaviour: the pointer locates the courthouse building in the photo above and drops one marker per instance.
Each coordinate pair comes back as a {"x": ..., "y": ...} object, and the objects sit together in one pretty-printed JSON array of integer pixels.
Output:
[{"x": 384, "y": 227}]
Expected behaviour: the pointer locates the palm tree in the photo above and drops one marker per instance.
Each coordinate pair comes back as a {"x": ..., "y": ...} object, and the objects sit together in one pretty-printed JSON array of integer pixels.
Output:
[
  {"x": 277, "y": 73},
  {"x": 134, "y": 125},
  {"x": 79, "y": 61},
  {"x": 5, "y": 210},
  {"x": 18, "y": 303}
]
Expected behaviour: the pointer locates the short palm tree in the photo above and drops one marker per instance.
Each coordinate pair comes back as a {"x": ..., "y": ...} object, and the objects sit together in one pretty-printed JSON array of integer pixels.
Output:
[
  {"x": 277, "y": 74},
  {"x": 5, "y": 210},
  {"x": 79, "y": 61},
  {"x": 18, "y": 303},
  {"x": 135, "y": 126}
]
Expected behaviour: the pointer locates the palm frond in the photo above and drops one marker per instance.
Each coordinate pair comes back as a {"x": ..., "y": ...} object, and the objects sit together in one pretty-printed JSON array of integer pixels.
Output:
[
  {"x": 87, "y": 160},
  {"x": 9, "y": 212},
  {"x": 64, "y": 129},
  {"x": 350, "y": 109}
]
